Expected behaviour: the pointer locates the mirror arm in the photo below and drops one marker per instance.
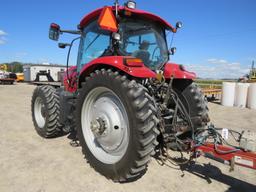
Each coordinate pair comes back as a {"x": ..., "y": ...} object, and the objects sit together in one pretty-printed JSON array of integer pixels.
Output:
[{"x": 71, "y": 32}]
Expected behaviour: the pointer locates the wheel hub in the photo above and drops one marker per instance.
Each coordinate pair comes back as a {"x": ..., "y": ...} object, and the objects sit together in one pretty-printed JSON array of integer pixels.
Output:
[
  {"x": 98, "y": 126},
  {"x": 105, "y": 125}
]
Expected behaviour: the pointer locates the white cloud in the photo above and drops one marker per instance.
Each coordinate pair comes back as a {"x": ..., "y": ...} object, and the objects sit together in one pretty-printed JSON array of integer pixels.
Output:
[
  {"x": 211, "y": 60},
  {"x": 2, "y": 37},
  {"x": 2, "y": 33},
  {"x": 217, "y": 61},
  {"x": 2, "y": 41},
  {"x": 219, "y": 68}
]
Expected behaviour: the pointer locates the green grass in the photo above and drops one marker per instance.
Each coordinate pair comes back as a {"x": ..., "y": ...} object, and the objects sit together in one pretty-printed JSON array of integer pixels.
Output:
[{"x": 210, "y": 84}]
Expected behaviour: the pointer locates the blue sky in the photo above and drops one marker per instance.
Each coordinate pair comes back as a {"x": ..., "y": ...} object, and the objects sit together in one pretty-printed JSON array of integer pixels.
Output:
[{"x": 217, "y": 39}]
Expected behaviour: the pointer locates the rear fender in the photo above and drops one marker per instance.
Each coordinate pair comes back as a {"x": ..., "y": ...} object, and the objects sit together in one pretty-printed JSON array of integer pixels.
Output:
[{"x": 116, "y": 62}]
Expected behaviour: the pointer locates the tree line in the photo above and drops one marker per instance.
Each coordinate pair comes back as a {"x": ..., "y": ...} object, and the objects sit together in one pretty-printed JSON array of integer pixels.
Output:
[{"x": 14, "y": 67}]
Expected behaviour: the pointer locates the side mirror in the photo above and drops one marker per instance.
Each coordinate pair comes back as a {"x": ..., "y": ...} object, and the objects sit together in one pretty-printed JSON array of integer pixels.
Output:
[
  {"x": 54, "y": 32},
  {"x": 63, "y": 45},
  {"x": 172, "y": 51},
  {"x": 178, "y": 25}
]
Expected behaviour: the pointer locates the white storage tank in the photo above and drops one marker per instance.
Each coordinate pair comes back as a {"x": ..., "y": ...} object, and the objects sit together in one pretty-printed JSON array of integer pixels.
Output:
[
  {"x": 252, "y": 96},
  {"x": 241, "y": 94},
  {"x": 228, "y": 94}
]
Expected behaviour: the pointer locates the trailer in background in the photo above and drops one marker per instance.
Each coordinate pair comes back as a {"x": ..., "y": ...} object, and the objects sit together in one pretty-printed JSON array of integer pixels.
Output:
[
  {"x": 31, "y": 72},
  {"x": 7, "y": 81},
  {"x": 7, "y": 78}
]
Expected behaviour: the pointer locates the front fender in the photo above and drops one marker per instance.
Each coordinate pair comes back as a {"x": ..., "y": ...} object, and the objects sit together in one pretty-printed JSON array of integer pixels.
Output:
[
  {"x": 70, "y": 82},
  {"x": 177, "y": 72}
]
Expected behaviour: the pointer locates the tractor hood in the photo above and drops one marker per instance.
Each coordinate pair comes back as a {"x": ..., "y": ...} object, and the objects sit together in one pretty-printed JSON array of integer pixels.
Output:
[{"x": 149, "y": 16}]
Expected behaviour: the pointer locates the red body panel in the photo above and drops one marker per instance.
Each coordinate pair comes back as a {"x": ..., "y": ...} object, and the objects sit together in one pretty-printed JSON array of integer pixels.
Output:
[
  {"x": 71, "y": 86},
  {"x": 118, "y": 63},
  {"x": 172, "y": 69},
  {"x": 86, "y": 19}
]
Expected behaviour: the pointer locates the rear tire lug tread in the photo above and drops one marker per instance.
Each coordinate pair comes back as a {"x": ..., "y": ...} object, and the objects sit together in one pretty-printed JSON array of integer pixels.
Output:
[
  {"x": 145, "y": 116},
  {"x": 147, "y": 141}
]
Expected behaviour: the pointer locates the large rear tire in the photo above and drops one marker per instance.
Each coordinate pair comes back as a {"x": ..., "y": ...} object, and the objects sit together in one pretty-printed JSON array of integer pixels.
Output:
[
  {"x": 45, "y": 111},
  {"x": 116, "y": 125}
]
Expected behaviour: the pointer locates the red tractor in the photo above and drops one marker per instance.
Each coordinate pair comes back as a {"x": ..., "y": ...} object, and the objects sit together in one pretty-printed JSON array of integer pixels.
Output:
[{"x": 124, "y": 101}]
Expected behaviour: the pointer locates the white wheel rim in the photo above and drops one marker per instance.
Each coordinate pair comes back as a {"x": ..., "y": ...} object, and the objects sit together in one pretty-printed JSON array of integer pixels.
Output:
[
  {"x": 105, "y": 125},
  {"x": 39, "y": 112}
]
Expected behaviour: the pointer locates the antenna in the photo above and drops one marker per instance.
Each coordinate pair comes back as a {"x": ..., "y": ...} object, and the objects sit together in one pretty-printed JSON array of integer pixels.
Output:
[{"x": 116, "y": 7}]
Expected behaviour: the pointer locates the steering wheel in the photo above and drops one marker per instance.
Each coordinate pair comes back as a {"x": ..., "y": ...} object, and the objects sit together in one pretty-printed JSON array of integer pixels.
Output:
[{"x": 154, "y": 52}]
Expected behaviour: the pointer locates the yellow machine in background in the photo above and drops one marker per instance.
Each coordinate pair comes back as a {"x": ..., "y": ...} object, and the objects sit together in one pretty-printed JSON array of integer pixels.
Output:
[
  {"x": 249, "y": 78},
  {"x": 20, "y": 77},
  {"x": 252, "y": 74},
  {"x": 3, "y": 67}
]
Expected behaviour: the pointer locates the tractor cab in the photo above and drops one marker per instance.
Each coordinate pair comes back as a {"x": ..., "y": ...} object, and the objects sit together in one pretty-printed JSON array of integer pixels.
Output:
[
  {"x": 145, "y": 40},
  {"x": 122, "y": 31},
  {"x": 136, "y": 38}
]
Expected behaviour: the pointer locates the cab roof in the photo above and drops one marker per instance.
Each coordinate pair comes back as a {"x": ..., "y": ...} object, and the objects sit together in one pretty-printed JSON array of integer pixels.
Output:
[{"x": 96, "y": 13}]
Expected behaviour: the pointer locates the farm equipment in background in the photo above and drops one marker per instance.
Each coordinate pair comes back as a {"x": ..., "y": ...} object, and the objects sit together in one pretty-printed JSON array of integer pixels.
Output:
[
  {"x": 20, "y": 77},
  {"x": 124, "y": 101},
  {"x": 44, "y": 73},
  {"x": 212, "y": 89},
  {"x": 7, "y": 78},
  {"x": 50, "y": 80},
  {"x": 3, "y": 67},
  {"x": 252, "y": 74},
  {"x": 251, "y": 77}
]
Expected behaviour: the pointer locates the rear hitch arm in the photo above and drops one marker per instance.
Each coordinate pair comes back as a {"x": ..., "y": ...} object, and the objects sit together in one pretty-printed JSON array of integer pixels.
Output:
[{"x": 237, "y": 157}]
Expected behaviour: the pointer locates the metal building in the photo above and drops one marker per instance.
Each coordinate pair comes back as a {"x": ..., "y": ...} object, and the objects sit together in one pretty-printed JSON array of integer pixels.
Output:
[{"x": 30, "y": 71}]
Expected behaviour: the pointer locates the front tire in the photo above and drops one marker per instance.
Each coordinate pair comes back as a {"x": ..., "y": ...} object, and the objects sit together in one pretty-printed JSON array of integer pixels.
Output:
[
  {"x": 45, "y": 111},
  {"x": 116, "y": 125}
]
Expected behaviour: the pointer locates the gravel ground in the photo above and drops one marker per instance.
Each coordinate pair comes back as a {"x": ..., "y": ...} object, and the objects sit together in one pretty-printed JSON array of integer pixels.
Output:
[{"x": 29, "y": 163}]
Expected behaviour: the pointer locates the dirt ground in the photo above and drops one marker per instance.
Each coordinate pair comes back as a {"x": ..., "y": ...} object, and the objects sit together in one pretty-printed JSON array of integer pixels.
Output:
[{"x": 29, "y": 163}]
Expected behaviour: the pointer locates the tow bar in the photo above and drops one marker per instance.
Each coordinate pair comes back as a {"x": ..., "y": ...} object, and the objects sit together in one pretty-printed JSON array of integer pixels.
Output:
[{"x": 213, "y": 145}]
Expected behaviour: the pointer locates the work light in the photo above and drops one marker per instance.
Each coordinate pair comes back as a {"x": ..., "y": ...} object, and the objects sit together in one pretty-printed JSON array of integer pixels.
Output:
[
  {"x": 131, "y": 4},
  {"x": 116, "y": 36},
  {"x": 178, "y": 25}
]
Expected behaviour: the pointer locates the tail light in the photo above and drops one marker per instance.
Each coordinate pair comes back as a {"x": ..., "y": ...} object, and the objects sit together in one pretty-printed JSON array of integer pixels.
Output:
[{"x": 133, "y": 62}]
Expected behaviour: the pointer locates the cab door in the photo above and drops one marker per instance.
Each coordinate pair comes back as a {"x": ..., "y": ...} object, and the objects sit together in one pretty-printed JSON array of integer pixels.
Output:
[{"x": 94, "y": 43}]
